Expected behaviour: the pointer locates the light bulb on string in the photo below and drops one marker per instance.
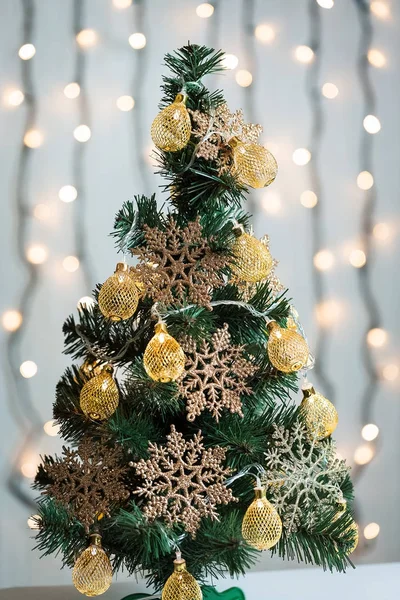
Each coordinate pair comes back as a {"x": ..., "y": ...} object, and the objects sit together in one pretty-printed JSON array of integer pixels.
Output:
[
  {"x": 11, "y": 320},
  {"x": 365, "y": 180},
  {"x": 51, "y": 428},
  {"x": 36, "y": 254},
  {"x": 68, "y": 193},
  {"x": 205, "y": 10},
  {"x": 357, "y": 258},
  {"x": 371, "y": 531},
  {"x": 244, "y": 78},
  {"x": 308, "y": 199},
  {"x": 304, "y": 54},
  {"x": 330, "y": 91},
  {"x": 82, "y": 133},
  {"x": 301, "y": 157},
  {"x": 122, "y": 4},
  {"x": 363, "y": 455},
  {"x": 125, "y": 103},
  {"x": 70, "y": 264},
  {"x": 87, "y": 38},
  {"x": 34, "y": 522},
  {"x": 14, "y": 98},
  {"x": 41, "y": 212},
  {"x": 27, "y": 51},
  {"x": 390, "y": 372},
  {"x": 377, "y": 337},
  {"x": 324, "y": 260},
  {"x": 33, "y": 138},
  {"x": 326, "y": 3},
  {"x": 264, "y": 33},
  {"x": 372, "y": 124},
  {"x": 381, "y": 232},
  {"x": 370, "y": 432},
  {"x": 28, "y": 369},
  {"x": 380, "y": 9},
  {"x": 137, "y": 41},
  {"x": 329, "y": 313},
  {"x": 376, "y": 58},
  {"x": 72, "y": 90},
  {"x": 271, "y": 202},
  {"x": 230, "y": 61}
]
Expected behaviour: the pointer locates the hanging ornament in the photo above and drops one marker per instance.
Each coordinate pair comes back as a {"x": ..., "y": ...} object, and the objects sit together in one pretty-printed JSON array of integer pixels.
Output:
[
  {"x": 318, "y": 413},
  {"x": 91, "y": 368},
  {"x": 254, "y": 165},
  {"x": 171, "y": 129},
  {"x": 181, "y": 585},
  {"x": 252, "y": 259},
  {"x": 92, "y": 573},
  {"x": 262, "y": 526},
  {"x": 119, "y": 295},
  {"x": 287, "y": 349},
  {"x": 164, "y": 359},
  {"x": 99, "y": 397}
]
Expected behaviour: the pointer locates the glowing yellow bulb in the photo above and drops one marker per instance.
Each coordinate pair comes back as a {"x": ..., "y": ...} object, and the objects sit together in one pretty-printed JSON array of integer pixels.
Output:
[
  {"x": 380, "y": 9},
  {"x": 125, "y": 103},
  {"x": 71, "y": 264},
  {"x": 372, "y": 124},
  {"x": 205, "y": 10},
  {"x": 28, "y": 470},
  {"x": 304, "y": 54},
  {"x": 27, "y": 51},
  {"x": 137, "y": 41},
  {"x": 72, "y": 90},
  {"x": 376, "y": 58},
  {"x": 230, "y": 61},
  {"x": 357, "y": 258},
  {"x": 326, "y": 3},
  {"x": 14, "y": 98},
  {"x": 33, "y": 138},
  {"x": 271, "y": 203},
  {"x": 68, "y": 193},
  {"x": 11, "y": 320},
  {"x": 87, "y": 38},
  {"x": 244, "y": 78},
  {"x": 381, "y": 231},
  {"x": 37, "y": 254},
  {"x": 377, "y": 337},
  {"x": 264, "y": 33},
  {"x": 41, "y": 212},
  {"x": 365, "y": 181},
  {"x": 328, "y": 313},
  {"x": 390, "y": 372},
  {"x": 301, "y": 157},
  {"x": 121, "y": 4},
  {"x": 330, "y": 90},
  {"x": 32, "y": 522},
  {"x": 371, "y": 531},
  {"x": 28, "y": 369},
  {"x": 370, "y": 432},
  {"x": 308, "y": 199},
  {"x": 85, "y": 302},
  {"x": 82, "y": 133},
  {"x": 324, "y": 260},
  {"x": 51, "y": 428},
  {"x": 363, "y": 454}
]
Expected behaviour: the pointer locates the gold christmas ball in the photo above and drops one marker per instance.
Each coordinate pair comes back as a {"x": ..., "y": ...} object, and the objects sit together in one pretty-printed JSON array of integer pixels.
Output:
[
  {"x": 99, "y": 397},
  {"x": 252, "y": 259},
  {"x": 164, "y": 359},
  {"x": 287, "y": 349},
  {"x": 119, "y": 295},
  {"x": 262, "y": 526},
  {"x": 181, "y": 585},
  {"x": 92, "y": 573},
  {"x": 171, "y": 129},
  {"x": 254, "y": 165},
  {"x": 318, "y": 414}
]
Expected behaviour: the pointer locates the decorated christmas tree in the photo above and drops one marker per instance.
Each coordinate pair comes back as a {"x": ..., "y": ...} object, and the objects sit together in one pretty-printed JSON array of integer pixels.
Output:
[{"x": 186, "y": 453}]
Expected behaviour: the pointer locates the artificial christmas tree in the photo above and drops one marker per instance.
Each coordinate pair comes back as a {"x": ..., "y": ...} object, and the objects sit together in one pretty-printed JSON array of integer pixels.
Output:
[{"x": 180, "y": 411}]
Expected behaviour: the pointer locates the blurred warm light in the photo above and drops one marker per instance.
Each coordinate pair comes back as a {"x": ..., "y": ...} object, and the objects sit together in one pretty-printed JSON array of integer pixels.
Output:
[
  {"x": 372, "y": 124},
  {"x": 82, "y": 133},
  {"x": 390, "y": 372},
  {"x": 41, "y": 212},
  {"x": 301, "y": 156},
  {"x": 68, "y": 193},
  {"x": 14, "y": 98},
  {"x": 381, "y": 231},
  {"x": 28, "y": 369},
  {"x": 37, "y": 254},
  {"x": 376, "y": 58},
  {"x": 371, "y": 531},
  {"x": 137, "y": 41},
  {"x": 11, "y": 320},
  {"x": 72, "y": 90},
  {"x": 357, "y": 258},
  {"x": 363, "y": 454},
  {"x": 85, "y": 302},
  {"x": 33, "y": 522},
  {"x": 377, "y": 337},
  {"x": 125, "y": 103},
  {"x": 121, "y": 4},
  {"x": 71, "y": 264},
  {"x": 324, "y": 260},
  {"x": 328, "y": 313},
  {"x": 204, "y": 10},
  {"x": 330, "y": 90},
  {"x": 271, "y": 202},
  {"x": 244, "y": 78},
  {"x": 27, "y": 51},
  {"x": 380, "y": 9},
  {"x": 365, "y": 181},
  {"x": 51, "y": 428},
  {"x": 325, "y": 3},
  {"x": 304, "y": 54},
  {"x": 308, "y": 199},
  {"x": 230, "y": 61},
  {"x": 28, "y": 469},
  {"x": 264, "y": 33},
  {"x": 87, "y": 38},
  {"x": 33, "y": 138},
  {"x": 370, "y": 432}
]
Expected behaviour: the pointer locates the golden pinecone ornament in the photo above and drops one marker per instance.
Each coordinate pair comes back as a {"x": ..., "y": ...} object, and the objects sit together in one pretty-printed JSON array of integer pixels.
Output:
[
  {"x": 164, "y": 359},
  {"x": 92, "y": 572},
  {"x": 181, "y": 585},
  {"x": 119, "y": 295},
  {"x": 252, "y": 259},
  {"x": 287, "y": 349},
  {"x": 318, "y": 414},
  {"x": 171, "y": 129},
  {"x": 254, "y": 165},
  {"x": 99, "y": 397},
  {"x": 262, "y": 526}
]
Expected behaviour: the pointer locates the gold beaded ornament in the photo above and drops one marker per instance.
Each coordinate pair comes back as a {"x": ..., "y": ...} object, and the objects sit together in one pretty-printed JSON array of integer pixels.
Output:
[
  {"x": 254, "y": 165},
  {"x": 119, "y": 295},
  {"x": 262, "y": 526},
  {"x": 318, "y": 414},
  {"x": 287, "y": 350},
  {"x": 252, "y": 259},
  {"x": 171, "y": 129},
  {"x": 181, "y": 585},
  {"x": 99, "y": 397},
  {"x": 164, "y": 359},
  {"x": 92, "y": 573}
]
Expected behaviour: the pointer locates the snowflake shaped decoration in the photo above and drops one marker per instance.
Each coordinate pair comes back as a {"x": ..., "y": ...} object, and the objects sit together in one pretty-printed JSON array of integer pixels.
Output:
[
  {"x": 302, "y": 477},
  {"x": 183, "y": 481},
  {"x": 88, "y": 481},
  {"x": 177, "y": 264},
  {"x": 215, "y": 375}
]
